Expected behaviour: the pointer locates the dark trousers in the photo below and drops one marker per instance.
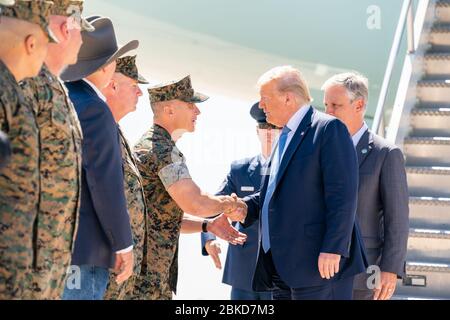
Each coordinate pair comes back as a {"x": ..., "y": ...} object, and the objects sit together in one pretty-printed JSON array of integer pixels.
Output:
[
  {"x": 334, "y": 290},
  {"x": 239, "y": 294},
  {"x": 363, "y": 294}
]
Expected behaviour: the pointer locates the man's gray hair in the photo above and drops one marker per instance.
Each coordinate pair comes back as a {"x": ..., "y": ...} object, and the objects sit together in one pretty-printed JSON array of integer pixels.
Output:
[
  {"x": 356, "y": 84},
  {"x": 288, "y": 79}
]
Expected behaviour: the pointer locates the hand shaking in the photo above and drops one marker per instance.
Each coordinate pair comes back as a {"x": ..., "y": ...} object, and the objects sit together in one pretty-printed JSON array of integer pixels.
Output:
[
  {"x": 234, "y": 208},
  {"x": 221, "y": 227}
]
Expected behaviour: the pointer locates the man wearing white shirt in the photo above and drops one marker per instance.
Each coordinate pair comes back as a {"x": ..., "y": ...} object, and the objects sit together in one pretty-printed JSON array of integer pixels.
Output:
[
  {"x": 310, "y": 247},
  {"x": 383, "y": 192}
]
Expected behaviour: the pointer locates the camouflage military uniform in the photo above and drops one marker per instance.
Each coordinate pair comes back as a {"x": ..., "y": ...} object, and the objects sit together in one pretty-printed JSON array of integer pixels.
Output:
[
  {"x": 138, "y": 214},
  {"x": 19, "y": 188},
  {"x": 19, "y": 180},
  {"x": 60, "y": 183},
  {"x": 161, "y": 165}
]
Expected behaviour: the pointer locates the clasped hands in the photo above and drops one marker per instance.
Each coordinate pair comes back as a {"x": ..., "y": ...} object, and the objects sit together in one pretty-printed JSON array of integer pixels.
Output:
[{"x": 234, "y": 208}]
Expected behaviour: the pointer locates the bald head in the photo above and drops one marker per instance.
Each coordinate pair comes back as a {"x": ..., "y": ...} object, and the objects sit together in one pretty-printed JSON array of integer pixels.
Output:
[
  {"x": 65, "y": 53},
  {"x": 23, "y": 47}
]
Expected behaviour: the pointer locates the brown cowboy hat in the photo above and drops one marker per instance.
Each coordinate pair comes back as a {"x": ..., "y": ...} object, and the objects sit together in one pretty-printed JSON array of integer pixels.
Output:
[{"x": 99, "y": 49}]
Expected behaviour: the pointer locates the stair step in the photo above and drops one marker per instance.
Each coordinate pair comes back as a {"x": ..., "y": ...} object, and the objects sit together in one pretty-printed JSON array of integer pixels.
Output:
[
  {"x": 443, "y": 11},
  {"x": 429, "y": 234},
  {"x": 428, "y": 212},
  {"x": 424, "y": 151},
  {"x": 429, "y": 244},
  {"x": 425, "y": 280},
  {"x": 430, "y": 267},
  {"x": 401, "y": 297},
  {"x": 437, "y": 64},
  {"x": 439, "y": 35},
  {"x": 430, "y": 121},
  {"x": 434, "y": 91},
  {"x": 426, "y": 181}
]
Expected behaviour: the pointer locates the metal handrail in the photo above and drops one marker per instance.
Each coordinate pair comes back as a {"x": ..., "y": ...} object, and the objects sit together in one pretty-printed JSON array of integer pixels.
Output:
[{"x": 406, "y": 19}]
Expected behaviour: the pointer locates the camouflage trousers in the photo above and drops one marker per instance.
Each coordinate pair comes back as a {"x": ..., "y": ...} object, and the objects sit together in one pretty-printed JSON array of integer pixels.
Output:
[
  {"x": 47, "y": 281},
  {"x": 146, "y": 289}
]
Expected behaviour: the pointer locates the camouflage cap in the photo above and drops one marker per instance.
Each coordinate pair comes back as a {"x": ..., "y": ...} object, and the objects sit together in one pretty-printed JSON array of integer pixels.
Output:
[
  {"x": 176, "y": 90},
  {"x": 127, "y": 66},
  {"x": 33, "y": 11},
  {"x": 72, "y": 8}
]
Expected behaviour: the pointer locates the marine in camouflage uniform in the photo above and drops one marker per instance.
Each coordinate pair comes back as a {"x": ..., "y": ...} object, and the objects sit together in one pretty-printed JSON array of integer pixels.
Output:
[
  {"x": 161, "y": 165},
  {"x": 19, "y": 180},
  {"x": 134, "y": 194},
  {"x": 60, "y": 174}
]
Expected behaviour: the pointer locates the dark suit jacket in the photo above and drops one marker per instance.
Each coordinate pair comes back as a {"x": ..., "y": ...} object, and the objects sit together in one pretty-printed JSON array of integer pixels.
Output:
[
  {"x": 313, "y": 206},
  {"x": 382, "y": 212},
  {"x": 241, "y": 260},
  {"x": 104, "y": 225},
  {"x": 5, "y": 149}
]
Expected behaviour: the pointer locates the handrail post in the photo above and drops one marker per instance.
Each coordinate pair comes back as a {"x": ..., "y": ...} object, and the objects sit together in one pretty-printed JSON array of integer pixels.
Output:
[
  {"x": 411, "y": 39},
  {"x": 379, "y": 113}
]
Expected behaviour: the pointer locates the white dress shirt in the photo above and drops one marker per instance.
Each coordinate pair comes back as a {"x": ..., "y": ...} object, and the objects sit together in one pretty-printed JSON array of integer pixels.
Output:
[
  {"x": 101, "y": 96},
  {"x": 293, "y": 124},
  {"x": 97, "y": 91},
  {"x": 357, "y": 136}
]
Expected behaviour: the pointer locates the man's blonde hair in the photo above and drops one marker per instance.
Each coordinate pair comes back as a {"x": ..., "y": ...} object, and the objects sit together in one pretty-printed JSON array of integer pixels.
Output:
[{"x": 288, "y": 79}]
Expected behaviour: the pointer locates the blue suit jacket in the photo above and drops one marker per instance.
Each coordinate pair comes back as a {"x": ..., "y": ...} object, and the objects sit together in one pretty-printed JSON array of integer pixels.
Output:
[
  {"x": 241, "y": 260},
  {"x": 104, "y": 225},
  {"x": 313, "y": 207}
]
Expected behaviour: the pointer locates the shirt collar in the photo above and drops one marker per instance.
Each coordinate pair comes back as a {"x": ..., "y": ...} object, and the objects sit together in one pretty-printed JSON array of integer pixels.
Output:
[
  {"x": 297, "y": 118},
  {"x": 97, "y": 91},
  {"x": 262, "y": 159},
  {"x": 357, "y": 136}
]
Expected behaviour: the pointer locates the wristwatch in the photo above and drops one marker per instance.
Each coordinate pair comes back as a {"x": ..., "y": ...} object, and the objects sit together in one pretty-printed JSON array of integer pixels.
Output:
[{"x": 205, "y": 226}]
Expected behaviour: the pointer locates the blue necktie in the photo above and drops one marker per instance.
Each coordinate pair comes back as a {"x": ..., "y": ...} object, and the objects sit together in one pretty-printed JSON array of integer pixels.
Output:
[{"x": 276, "y": 161}]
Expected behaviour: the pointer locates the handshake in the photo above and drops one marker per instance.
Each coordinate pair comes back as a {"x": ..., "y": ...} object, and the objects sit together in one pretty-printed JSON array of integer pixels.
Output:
[{"x": 234, "y": 208}]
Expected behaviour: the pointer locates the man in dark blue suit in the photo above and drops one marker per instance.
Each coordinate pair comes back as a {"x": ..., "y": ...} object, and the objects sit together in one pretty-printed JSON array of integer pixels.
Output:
[
  {"x": 244, "y": 179},
  {"x": 310, "y": 247},
  {"x": 104, "y": 238}
]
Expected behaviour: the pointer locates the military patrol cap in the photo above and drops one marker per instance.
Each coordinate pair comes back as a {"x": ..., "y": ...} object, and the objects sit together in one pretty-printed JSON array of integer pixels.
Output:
[
  {"x": 260, "y": 116},
  {"x": 69, "y": 8},
  {"x": 176, "y": 90},
  {"x": 127, "y": 66},
  {"x": 33, "y": 11}
]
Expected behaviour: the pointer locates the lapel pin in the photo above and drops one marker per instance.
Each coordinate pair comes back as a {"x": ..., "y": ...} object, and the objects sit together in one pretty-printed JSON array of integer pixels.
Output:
[
  {"x": 303, "y": 133},
  {"x": 364, "y": 151}
]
